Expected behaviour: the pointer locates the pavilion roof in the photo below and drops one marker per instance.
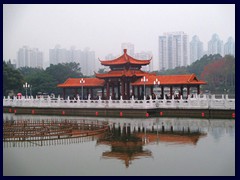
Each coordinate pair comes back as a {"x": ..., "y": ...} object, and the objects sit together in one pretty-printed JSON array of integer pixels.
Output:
[
  {"x": 120, "y": 73},
  {"x": 89, "y": 82},
  {"x": 186, "y": 79},
  {"x": 124, "y": 59}
]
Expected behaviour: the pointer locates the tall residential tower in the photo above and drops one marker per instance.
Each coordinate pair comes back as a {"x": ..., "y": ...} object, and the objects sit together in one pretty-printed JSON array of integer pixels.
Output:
[{"x": 173, "y": 50}]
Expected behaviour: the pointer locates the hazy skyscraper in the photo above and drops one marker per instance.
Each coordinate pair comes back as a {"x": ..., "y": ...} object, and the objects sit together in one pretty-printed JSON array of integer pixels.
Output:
[
  {"x": 87, "y": 62},
  {"x": 196, "y": 49},
  {"x": 129, "y": 47},
  {"x": 229, "y": 47},
  {"x": 57, "y": 55},
  {"x": 173, "y": 50},
  {"x": 27, "y": 57},
  {"x": 215, "y": 45},
  {"x": 143, "y": 56}
]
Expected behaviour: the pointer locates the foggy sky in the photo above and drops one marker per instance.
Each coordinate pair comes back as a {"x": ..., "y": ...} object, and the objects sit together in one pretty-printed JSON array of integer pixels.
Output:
[{"x": 103, "y": 28}]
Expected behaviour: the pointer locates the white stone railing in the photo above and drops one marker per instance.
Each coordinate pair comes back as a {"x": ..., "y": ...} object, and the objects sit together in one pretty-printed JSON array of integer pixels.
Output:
[{"x": 196, "y": 102}]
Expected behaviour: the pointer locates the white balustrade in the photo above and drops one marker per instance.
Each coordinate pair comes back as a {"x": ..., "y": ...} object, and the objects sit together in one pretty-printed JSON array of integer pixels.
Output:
[{"x": 196, "y": 102}]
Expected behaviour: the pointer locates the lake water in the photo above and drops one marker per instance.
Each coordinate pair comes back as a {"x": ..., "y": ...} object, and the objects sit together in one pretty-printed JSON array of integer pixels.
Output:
[{"x": 151, "y": 147}]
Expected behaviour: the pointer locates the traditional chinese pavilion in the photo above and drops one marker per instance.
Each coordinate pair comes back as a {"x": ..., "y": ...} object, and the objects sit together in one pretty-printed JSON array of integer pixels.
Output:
[{"x": 126, "y": 79}]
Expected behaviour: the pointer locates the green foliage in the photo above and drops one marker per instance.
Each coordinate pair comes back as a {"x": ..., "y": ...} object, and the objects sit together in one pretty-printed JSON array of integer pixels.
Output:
[
  {"x": 44, "y": 81},
  {"x": 217, "y": 71},
  {"x": 61, "y": 72},
  {"x": 12, "y": 80}
]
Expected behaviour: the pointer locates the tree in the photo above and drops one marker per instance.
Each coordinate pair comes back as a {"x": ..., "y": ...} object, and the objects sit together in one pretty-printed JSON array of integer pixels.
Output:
[{"x": 12, "y": 80}]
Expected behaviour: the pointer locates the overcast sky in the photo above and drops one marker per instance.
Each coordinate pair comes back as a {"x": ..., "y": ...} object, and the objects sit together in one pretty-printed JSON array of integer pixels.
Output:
[{"x": 103, "y": 28}]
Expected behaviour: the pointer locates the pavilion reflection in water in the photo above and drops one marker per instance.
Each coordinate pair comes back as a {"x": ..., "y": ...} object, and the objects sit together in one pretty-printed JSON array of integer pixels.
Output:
[
  {"x": 128, "y": 145},
  {"x": 128, "y": 137}
]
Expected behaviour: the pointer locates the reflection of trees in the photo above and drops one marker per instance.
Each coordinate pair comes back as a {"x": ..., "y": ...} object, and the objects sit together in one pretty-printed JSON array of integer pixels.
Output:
[{"x": 219, "y": 127}]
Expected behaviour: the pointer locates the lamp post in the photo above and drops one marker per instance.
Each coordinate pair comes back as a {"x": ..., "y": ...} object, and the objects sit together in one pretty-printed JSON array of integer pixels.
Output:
[
  {"x": 26, "y": 85},
  {"x": 82, "y": 81},
  {"x": 156, "y": 82},
  {"x": 144, "y": 79}
]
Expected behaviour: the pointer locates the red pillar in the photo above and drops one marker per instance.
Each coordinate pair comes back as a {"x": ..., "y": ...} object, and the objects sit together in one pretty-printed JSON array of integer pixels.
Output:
[
  {"x": 103, "y": 92},
  {"x": 181, "y": 93},
  {"x": 198, "y": 89},
  {"x": 88, "y": 92},
  {"x": 128, "y": 90},
  {"x": 138, "y": 92},
  {"x": 91, "y": 92},
  {"x": 171, "y": 93},
  {"x": 108, "y": 90},
  {"x": 122, "y": 88},
  {"x": 162, "y": 91},
  {"x": 133, "y": 91},
  {"x": 118, "y": 89},
  {"x": 113, "y": 93},
  {"x": 188, "y": 90},
  {"x": 76, "y": 92},
  {"x": 151, "y": 90}
]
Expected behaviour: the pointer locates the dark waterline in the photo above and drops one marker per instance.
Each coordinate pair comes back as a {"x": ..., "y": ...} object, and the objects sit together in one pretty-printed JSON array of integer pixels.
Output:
[{"x": 153, "y": 146}]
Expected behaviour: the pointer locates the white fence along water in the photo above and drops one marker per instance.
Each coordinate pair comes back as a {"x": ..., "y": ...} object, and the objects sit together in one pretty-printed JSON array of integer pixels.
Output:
[{"x": 196, "y": 102}]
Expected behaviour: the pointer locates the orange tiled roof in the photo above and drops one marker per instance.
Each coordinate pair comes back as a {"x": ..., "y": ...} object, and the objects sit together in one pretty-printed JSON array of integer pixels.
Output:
[
  {"x": 120, "y": 73},
  {"x": 124, "y": 59},
  {"x": 170, "y": 80},
  {"x": 89, "y": 82}
]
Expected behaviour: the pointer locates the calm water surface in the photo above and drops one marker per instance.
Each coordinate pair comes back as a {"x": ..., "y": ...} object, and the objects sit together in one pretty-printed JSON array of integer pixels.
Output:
[{"x": 131, "y": 147}]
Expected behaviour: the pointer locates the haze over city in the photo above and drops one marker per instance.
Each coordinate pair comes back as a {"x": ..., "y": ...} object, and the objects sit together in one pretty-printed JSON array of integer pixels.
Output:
[{"x": 103, "y": 28}]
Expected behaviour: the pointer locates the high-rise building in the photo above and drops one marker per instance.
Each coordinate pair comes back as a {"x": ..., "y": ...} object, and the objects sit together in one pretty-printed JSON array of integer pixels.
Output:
[
  {"x": 143, "y": 56},
  {"x": 57, "y": 55},
  {"x": 173, "y": 50},
  {"x": 27, "y": 57},
  {"x": 87, "y": 62},
  {"x": 215, "y": 45},
  {"x": 129, "y": 47},
  {"x": 196, "y": 49},
  {"x": 229, "y": 47},
  {"x": 85, "y": 58}
]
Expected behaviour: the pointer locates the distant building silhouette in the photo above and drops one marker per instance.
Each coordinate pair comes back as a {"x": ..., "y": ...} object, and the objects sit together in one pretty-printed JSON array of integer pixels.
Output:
[
  {"x": 85, "y": 58},
  {"x": 196, "y": 49},
  {"x": 27, "y": 57},
  {"x": 215, "y": 45},
  {"x": 229, "y": 47},
  {"x": 173, "y": 50}
]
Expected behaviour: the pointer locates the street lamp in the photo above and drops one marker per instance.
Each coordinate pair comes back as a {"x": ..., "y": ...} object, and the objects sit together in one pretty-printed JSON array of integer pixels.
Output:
[
  {"x": 156, "y": 82},
  {"x": 82, "y": 81},
  {"x": 144, "y": 79},
  {"x": 26, "y": 85}
]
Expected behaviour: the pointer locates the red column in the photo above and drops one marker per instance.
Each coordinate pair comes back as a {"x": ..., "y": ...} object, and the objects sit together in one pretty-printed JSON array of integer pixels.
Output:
[
  {"x": 122, "y": 88},
  {"x": 91, "y": 92},
  {"x": 87, "y": 92},
  {"x": 198, "y": 89},
  {"x": 162, "y": 91},
  {"x": 108, "y": 90},
  {"x": 188, "y": 90},
  {"x": 151, "y": 90},
  {"x": 133, "y": 91},
  {"x": 138, "y": 92},
  {"x": 76, "y": 92},
  {"x": 118, "y": 89},
  {"x": 103, "y": 92},
  {"x": 113, "y": 93},
  {"x": 128, "y": 89},
  {"x": 171, "y": 91},
  {"x": 181, "y": 93}
]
